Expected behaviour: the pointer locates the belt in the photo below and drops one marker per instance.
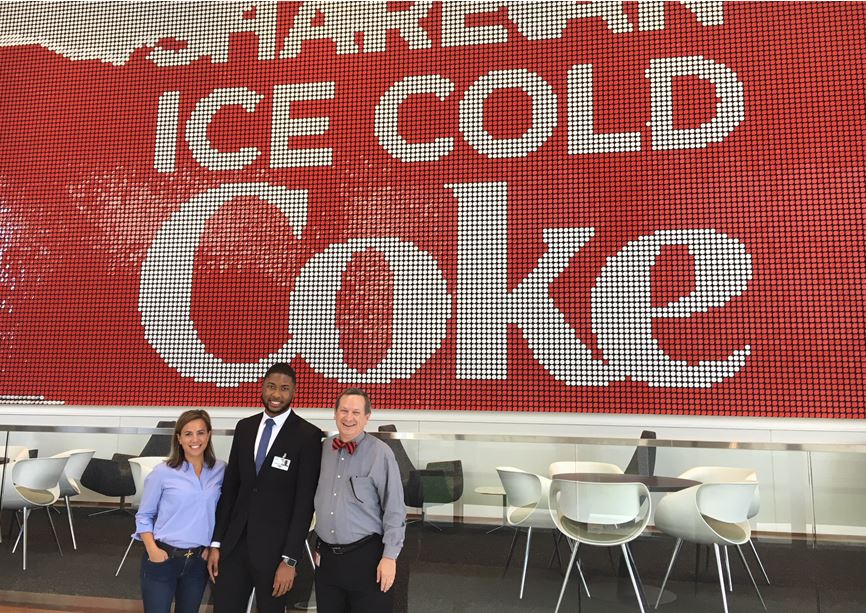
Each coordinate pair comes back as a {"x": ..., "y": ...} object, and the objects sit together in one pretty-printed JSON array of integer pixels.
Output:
[
  {"x": 339, "y": 550},
  {"x": 180, "y": 552}
]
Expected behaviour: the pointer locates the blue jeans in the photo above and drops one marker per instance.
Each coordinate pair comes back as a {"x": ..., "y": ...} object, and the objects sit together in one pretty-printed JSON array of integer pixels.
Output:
[{"x": 180, "y": 579}]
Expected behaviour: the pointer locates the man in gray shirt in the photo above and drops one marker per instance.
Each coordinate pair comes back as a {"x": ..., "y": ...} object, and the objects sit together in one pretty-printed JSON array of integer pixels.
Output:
[{"x": 360, "y": 515}]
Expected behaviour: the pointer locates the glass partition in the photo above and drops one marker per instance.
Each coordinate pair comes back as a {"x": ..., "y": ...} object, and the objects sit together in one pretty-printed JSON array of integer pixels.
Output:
[
  {"x": 807, "y": 529},
  {"x": 838, "y": 495}
]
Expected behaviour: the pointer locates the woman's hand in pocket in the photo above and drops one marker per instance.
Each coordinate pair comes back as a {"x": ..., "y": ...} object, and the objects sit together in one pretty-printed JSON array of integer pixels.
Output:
[{"x": 157, "y": 556}]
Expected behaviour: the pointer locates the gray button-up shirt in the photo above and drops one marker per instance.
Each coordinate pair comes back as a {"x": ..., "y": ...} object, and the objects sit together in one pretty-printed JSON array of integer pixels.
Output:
[{"x": 360, "y": 494}]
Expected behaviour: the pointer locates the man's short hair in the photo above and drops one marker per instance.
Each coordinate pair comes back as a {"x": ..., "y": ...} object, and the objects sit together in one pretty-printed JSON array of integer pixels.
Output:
[
  {"x": 282, "y": 368},
  {"x": 355, "y": 391}
]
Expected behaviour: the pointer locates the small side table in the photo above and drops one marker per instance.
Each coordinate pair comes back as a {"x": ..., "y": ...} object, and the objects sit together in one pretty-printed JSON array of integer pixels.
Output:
[{"x": 494, "y": 490}]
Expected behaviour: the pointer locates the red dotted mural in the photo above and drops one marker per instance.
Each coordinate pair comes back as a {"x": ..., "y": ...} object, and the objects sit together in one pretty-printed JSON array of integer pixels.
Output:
[{"x": 607, "y": 207}]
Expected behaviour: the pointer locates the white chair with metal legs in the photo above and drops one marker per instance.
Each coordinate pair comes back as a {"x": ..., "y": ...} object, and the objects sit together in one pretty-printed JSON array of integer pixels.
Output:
[
  {"x": 561, "y": 468},
  {"x": 572, "y": 467},
  {"x": 708, "y": 514},
  {"x": 78, "y": 459},
  {"x": 728, "y": 474},
  {"x": 29, "y": 484},
  {"x": 601, "y": 514},
  {"x": 526, "y": 499},
  {"x": 141, "y": 468}
]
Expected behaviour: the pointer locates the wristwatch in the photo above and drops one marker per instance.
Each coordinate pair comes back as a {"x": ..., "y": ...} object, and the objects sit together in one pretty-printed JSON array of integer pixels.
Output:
[{"x": 290, "y": 562}]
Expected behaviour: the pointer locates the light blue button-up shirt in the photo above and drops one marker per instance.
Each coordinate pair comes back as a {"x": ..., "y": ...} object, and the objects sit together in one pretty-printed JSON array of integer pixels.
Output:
[{"x": 178, "y": 507}]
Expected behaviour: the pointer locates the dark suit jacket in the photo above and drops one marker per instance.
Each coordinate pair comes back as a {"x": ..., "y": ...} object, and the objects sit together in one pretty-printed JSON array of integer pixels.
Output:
[{"x": 275, "y": 506}]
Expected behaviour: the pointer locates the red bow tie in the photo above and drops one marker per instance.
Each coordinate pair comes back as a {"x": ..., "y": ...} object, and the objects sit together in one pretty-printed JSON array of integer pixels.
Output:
[{"x": 338, "y": 444}]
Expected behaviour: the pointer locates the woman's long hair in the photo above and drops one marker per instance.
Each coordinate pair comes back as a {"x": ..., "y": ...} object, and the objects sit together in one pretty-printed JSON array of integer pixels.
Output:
[{"x": 176, "y": 458}]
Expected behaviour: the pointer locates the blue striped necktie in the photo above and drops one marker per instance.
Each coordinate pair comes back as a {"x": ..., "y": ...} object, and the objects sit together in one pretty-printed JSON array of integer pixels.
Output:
[{"x": 262, "y": 451}]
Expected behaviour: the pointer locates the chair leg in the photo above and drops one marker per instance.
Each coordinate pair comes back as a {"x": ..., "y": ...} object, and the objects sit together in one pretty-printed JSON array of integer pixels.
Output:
[
  {"x": 557, "y": 536},
  {"x": 567, "y": 575},
  {"x": 20, "y": 531},
  {"x": 721, "y": 575},
  {"x": 310, "y": 555},
  {"x": 128, "y": 547},
  {"x": 758, "y": 558},
  {"x": 580, "y": 574},
  {"x": 119, "y": 509},
  {"x": 668, "y": 573},
  {"x": 636, "y": 574},
  {"x": 250, "y": 601},
  {"x": 635, "y": 577},
  {"x": 511, "y": 550},
  {"x": 310, "y": 603},
  {"x": 728, "y": 568},
  {"x": 71, "y": 528},
  {"x": 525, "y": 560},
  {"x": 25, "y": 512},
  {"x": 54, "y": 530},
  {"x": 430, "y": 524},
  {"x": 749, "y": 570},
  {"x": 424, "y": 521}
]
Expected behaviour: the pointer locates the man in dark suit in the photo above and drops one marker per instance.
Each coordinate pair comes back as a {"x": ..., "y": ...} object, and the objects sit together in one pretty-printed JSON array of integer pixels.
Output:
[{"x": 264, "y": 513}]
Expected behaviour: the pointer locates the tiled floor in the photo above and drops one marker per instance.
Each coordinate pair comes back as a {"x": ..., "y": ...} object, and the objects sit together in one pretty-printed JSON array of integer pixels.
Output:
[{"x": 460, "y": 570}]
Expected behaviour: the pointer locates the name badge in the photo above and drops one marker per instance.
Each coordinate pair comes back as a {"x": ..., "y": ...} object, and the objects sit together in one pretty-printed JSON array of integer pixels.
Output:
[{"x": 281, "y": 463}]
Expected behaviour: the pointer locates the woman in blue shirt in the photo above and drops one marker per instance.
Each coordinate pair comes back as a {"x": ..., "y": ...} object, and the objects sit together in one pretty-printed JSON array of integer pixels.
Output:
[{"x": 175, "y": 520}]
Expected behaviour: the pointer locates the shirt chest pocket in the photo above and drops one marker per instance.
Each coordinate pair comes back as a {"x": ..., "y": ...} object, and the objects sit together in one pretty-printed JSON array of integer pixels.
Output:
[{"x": 363, "y": 490}]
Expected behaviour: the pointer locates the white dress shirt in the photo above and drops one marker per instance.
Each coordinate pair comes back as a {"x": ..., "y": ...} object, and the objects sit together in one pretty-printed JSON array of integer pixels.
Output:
[{"x": 279, "y": 420}]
